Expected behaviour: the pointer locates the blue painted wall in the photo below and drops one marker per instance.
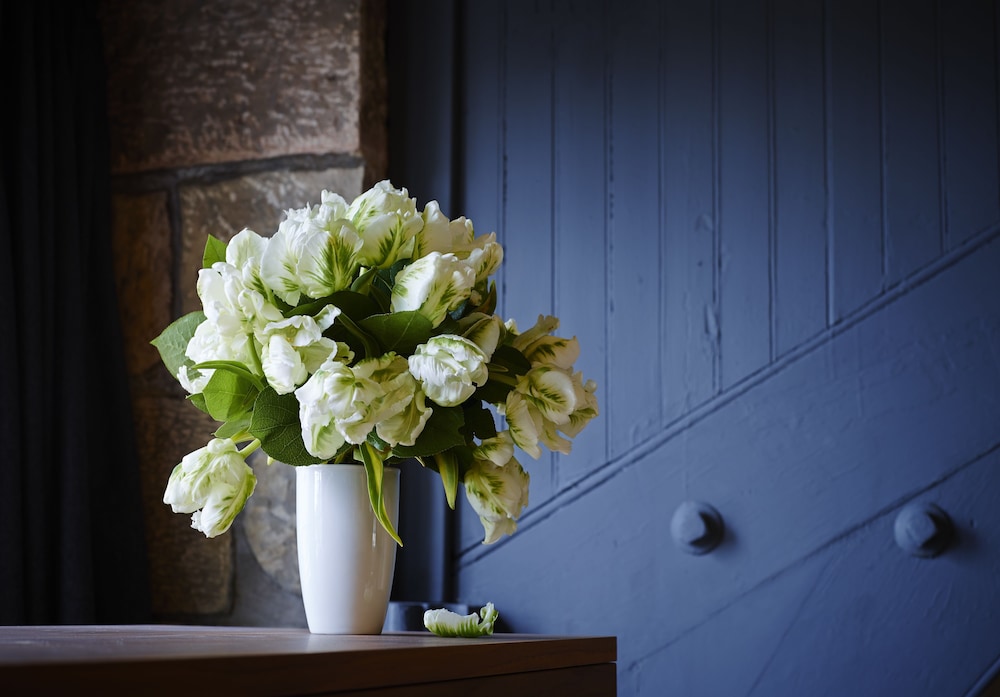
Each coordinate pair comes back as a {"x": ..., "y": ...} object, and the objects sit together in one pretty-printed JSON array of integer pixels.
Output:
[{"x": 774, "y": 227}]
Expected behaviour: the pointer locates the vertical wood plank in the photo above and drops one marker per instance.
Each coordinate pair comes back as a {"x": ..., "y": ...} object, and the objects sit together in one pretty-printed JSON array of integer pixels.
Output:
[
  {"x": 970, "y": 118},
  {"x": 855, "y": 166},
  {"x": 912, "y": 157},
  {"x": 744, "y": 193},
  {"x": 423, "y": 146},
  {"x": 580, "y": 195},
  {"x": 527, "y": 289},
  {"x": 688, "y": 227},
  {"x": 800, "y": 186},
  {"x": 481, "y": 91},
  {"x": 633, "y": 399}
]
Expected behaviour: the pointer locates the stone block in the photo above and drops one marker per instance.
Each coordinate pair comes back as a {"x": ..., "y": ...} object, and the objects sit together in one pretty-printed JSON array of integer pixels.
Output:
[
  {"x": 192, "y": 82},
  {"x": 143, "y": 256},
  {"x": 256, "y": 201},
  {"x": 190, "y": 575}
]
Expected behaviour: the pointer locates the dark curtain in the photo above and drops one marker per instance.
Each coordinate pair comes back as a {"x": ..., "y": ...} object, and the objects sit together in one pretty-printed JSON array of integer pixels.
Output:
[{"x": 71, "y": 536}]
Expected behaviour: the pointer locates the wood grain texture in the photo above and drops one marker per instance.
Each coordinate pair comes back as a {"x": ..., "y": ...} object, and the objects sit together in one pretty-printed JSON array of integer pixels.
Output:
[{"x": 257, "y": 661}]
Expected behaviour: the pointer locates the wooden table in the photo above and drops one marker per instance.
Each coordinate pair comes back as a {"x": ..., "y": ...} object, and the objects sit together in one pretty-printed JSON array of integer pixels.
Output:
[{"x": 183, "y": 660}]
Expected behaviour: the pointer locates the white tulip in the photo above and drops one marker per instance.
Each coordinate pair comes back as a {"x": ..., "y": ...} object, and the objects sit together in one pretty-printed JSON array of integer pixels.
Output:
[
  {"x": 449, "y": 368},
  {"x": 213, "y": 483}
]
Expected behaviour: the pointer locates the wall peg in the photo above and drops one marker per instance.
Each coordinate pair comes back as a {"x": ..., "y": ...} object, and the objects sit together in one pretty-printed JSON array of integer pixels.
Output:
[
  {"x": 923, "y": 530},
  {"x": 696, "y": 527}
]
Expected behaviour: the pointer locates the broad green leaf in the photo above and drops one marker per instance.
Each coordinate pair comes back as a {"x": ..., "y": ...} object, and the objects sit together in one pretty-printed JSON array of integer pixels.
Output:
[
  {"x": 235, "y": 368},
  {"x": 363, "y": 282},
  {"x": 228, "y": 395},
  {"x": 215, "y": 250},
  {"x": 493, "y": 392},
  {"x": 447, "y": 467},
  {"x": 374, "y": 470},
  {"x": 199, "y": 401},
  {"x": 442, "y": 431},
  {"x": 479, "y": 421},
  {"x": 354, "y": 305},
  {"x": 401, "y": 332},
  {"x": 173, "y": 341},
  {"x": 508, "y": 359},
  {"x": 361, "y": 342},
  {"x": 234, "y": 427},
  {"x": 276, "y": 423}
]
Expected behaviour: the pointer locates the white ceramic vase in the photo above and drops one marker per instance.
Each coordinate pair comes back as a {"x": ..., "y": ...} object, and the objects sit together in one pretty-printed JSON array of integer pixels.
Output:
[{"x": 346, "y": 558}]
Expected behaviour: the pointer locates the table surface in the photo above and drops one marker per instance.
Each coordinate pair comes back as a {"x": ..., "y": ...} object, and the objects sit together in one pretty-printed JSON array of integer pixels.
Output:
[{"x": 245, "y": 660}]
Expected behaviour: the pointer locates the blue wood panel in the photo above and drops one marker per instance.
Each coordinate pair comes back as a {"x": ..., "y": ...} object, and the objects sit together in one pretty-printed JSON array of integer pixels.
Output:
[
  {"x": 423, "y": 145},
  {"x": 580, "y": 203},
  {"x": 632, "y": 399},
  {"x": 934, "y": 608},
  {"x": 528, "y": 236},
  {"x": 771, "y": 177},
  {"x": 744, "y": 189},
  {"x": 690, "y": 336},
  {"x": 854, "y": 155},
  {"x": 911, "y": 137},
  {"x": 969, "y": 57},
  {"x": 800, "y": 234},
  {"x": 481, "y": 187},
  {"x": 830, "y": 440}
]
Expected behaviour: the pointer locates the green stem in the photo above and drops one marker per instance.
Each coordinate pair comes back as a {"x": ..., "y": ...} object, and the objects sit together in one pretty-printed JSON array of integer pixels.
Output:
[
  {"x": 371, "y": 349},
  {"x": 252, "y": 446},
  {"x": 499, "y": 375},
  {"x": 258, "y": 366}
]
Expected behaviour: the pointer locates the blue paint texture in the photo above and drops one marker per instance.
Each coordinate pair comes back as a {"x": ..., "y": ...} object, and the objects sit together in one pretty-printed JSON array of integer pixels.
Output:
[{"x": 775, "y": 227}]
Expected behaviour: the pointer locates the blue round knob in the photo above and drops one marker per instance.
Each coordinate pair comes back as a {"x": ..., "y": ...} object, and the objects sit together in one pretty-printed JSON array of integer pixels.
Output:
[
  {"x": 923, "y": 530},
  {"x": 696, "y": 527}
]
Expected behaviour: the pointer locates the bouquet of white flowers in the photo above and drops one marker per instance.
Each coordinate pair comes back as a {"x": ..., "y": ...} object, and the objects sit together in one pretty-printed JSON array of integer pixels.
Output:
[{"x": 366, "y": 332}]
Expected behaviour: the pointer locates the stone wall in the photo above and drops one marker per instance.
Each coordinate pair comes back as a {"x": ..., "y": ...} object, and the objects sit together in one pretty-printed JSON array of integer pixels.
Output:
[{"x": 224, "y": 114}]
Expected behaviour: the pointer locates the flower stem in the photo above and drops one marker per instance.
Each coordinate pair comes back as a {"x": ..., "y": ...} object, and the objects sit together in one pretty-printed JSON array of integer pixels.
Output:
[
  {"x": 252, "y": 446},
  {"x": 502, "y": 377}
]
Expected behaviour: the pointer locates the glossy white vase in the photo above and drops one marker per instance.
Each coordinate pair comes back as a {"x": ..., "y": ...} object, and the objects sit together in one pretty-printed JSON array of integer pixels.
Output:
[{"x": 346, "y": 558}]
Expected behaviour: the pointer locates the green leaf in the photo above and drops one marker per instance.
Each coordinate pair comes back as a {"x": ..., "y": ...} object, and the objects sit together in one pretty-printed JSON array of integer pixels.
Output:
[
  {"x": 215, "y": 250},
  {"x": 479, "y": 421},
  {"x": 354, "y": 305},
  {"x": 234, "y": 427},
  {"x": 401, "y": 332},
  {"x": 229, "y": 395},
  {"x": 173, "y": 341},
  {"x": 199, "y": 401},
  {"x": 447, "y": 467},
  {"x": 493, "y": 392},
  {"x": 442, "y": 431},
  {"x": 234, "y": 367},
  {"x": 374, "y": 469},
  {"x": 276, "y": 423},
  {"x": 363, "y": 282},
  {"x": 510, "y": 360}
]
